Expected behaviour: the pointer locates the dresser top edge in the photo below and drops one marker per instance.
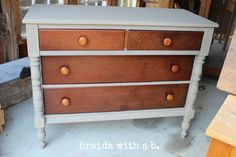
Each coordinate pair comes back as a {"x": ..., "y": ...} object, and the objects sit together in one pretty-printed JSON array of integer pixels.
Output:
[{"x": 92, "y": 15}]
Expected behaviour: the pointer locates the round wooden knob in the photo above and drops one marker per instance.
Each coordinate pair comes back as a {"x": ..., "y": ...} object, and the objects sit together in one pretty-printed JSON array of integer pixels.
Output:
[
  {"x": 83, "y": 41},
  {"x": 170, "y": 97},
  {"x": 175, "y": 68},
  {"x": 64, "y": 70},
  {"x": 167, "y": 41},
  {"x": 65, "y": 101}
]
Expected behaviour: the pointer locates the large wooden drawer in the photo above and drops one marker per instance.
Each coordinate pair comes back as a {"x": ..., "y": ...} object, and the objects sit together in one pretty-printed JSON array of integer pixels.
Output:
[
  {"x": 97, "y": 69},
  {"x": 81, "y": 39},
  {"x": 120, "y": 98},
  {"x": 164, "y": 40}
]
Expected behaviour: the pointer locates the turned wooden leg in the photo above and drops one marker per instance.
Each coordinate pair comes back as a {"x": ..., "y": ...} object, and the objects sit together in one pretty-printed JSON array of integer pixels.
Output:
[
  {"x": 192, "y": 94},
  {"x": 38, "y": 100},
  {"x": 41, "y": 134}
]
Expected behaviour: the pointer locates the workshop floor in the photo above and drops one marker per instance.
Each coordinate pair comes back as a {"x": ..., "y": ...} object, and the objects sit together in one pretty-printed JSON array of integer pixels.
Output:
[{"x": 68, "y": 140}]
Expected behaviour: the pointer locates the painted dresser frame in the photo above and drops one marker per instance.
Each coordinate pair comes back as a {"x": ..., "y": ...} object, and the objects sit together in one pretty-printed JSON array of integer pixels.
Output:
[{"x": 34, "y": 21}]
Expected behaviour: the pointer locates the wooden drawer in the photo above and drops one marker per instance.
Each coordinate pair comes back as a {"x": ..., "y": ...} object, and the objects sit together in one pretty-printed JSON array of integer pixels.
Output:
[
  {"x": 81, "y": 39},
  {"x": 164, "y": 40},
  {"x": 94, "y": 69},
  {"x": 120, "y": 98}
]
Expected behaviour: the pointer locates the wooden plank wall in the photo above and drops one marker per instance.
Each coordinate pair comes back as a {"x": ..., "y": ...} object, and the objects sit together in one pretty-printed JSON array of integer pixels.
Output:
[
  {"x": 9, "y": 29},
  {"x": 1, "y": 35}
]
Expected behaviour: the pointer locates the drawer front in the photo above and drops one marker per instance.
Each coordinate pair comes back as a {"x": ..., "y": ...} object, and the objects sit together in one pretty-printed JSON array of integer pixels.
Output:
[
  {"x": 164, "y": 40},
  {"x": 92, "y": 69},
  {"x": 81, "y": 39},
  {"x": 105, "y": 99}
]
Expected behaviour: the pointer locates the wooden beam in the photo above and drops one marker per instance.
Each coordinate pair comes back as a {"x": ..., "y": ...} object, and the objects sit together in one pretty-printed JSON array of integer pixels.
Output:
[
  {"x": 15, "y": 91},
  {"x": 2, "y": 33},
  {"x": 204, "y": 8},
  {"x": 66, "y": 2},
  {"x": 207, "y": 9},
  {"x": 1, "y": 51},
  {"x": 1, "y": 119},
  {"x": 10, "y": 42},
  {"x": 109, "y": 2},
  {"x": 138, "y": 3},
  {"x": 17, "y": 21}
]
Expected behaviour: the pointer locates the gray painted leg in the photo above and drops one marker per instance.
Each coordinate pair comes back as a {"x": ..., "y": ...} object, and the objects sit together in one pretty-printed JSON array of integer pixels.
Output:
[
  {"x": 38, "y": 100},
  {"x": 192, "y": 94},
  {"x": 41, "y": 134}
]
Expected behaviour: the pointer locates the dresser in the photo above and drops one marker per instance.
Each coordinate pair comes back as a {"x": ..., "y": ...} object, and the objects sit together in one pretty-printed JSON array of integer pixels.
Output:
[{"x": 110, "y": 63}]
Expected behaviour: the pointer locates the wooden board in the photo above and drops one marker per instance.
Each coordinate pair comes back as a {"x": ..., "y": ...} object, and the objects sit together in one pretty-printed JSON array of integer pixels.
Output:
[
  {"x": 227, "y": 80},
  {"x": 223, "y": 126},
  {"x": 1, "y": 51},
  {"x": 220, "y": 149},
  {"x": 15, "y": 91},
  {"x": 10, "y": 42},
  {"x": 205, "y": 8},
  {"x": 107, "y": 99},
  {"x": 1, "y": 119},
  {"x": 94, "y": 69}
]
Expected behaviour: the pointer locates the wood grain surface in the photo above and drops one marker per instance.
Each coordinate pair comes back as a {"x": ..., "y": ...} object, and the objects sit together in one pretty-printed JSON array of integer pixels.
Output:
[
  {"x": 92, "y": 69},
  {"x": 104, "y": 99},
  {"x": 15, "y": 91},
  {"x": 227, "y": 78},
  {"x": 1, "y": 51},
  {"x": 223, "y": 126},
  {"x": 153, "y": 40},
  {"x": 220, "y": 149},
  {"x": 55, "y": 39},
  {"x": 2, "y": 120}
]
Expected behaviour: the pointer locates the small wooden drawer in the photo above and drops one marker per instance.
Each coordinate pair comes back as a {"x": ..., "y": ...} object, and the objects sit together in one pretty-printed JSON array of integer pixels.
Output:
[
  {"x": 81, "y": 39},
  {"x": 120, "y": 98},
  {"x": 101, "y": 69},
  {"x": 164, "y": 40}
]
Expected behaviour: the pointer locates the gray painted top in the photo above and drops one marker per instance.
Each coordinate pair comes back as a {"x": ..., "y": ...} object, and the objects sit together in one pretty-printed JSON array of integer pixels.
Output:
[{"x": 74, "y": 14}]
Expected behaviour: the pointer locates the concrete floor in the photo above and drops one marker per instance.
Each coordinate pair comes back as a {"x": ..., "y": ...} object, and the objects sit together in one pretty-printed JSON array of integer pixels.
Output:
[
  {"x": 67, "y": 140},
  {"x": 217, "y": 55}
]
